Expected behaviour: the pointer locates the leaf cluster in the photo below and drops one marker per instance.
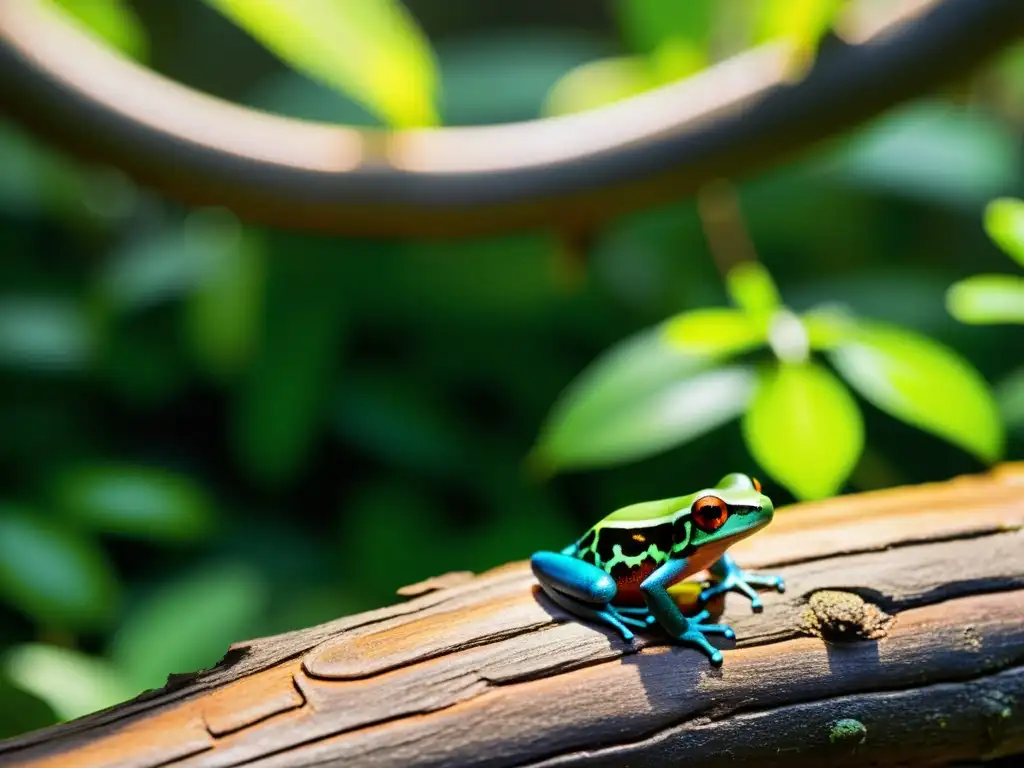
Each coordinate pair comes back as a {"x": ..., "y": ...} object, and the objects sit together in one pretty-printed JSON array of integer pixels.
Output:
[{"x": 801, "y": 421}]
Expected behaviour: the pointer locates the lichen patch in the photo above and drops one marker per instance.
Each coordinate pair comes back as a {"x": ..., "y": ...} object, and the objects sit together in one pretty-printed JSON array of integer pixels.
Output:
[
  {"x": 838, "y": 616},
  {"x": 848, "y": 732}
]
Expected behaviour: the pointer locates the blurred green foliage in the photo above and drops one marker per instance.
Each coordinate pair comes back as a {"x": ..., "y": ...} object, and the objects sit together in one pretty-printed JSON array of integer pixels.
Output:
[
  {"x": 371, "y": 50},
  {"x": 113, "y": 21},
  {"x": 998, "y": 298},
  {"x": 213, "y": 431},
  {"x": 985, "y": 299},
  {"x": 610, "y": 416}
]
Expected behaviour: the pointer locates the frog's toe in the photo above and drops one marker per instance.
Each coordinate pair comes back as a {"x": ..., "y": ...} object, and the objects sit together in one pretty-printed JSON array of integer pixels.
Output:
[
  {"x": 635, "y": 617},
  {"x": 776, "y": 582},
  {"x": 695, "y": 636},
  {"x": 639, "y": 623},
  {"x": 617, "y": 622},
  {"x": 756, "y": 605},
  {"x": 744, "y": 583},
  {"x": 632, "y": 610},
  {"x": 746, "y": 589},
  {"x": 717, "y": 629},
  {"x": 697, "y": 626},
  {"x": 713, "y": 591}
]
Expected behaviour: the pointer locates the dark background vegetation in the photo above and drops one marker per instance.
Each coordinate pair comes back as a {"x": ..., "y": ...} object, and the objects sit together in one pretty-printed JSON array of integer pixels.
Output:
[{"x": 187, "y": 460}]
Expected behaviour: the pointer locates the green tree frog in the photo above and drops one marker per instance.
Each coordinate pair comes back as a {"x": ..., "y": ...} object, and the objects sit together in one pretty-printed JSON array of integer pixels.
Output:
[{"x": 620, "y": 571}]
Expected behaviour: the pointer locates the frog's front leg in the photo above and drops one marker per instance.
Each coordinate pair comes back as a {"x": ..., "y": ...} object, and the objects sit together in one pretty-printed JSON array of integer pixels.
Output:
[
  {"x": 730, "y": 577},
  {"x": 581, "y": 588},
  {"x": 664, "y": 609}
]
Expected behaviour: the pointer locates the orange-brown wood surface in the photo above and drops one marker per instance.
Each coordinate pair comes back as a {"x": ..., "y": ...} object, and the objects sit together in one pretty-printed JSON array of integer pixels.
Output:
[{"x": 899, "y": 640}]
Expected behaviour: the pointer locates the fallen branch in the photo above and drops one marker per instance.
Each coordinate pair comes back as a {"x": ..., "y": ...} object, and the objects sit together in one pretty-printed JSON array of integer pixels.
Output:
[
  {"x": 899, "y": 640},
  {"x": 571, "y": 173}
]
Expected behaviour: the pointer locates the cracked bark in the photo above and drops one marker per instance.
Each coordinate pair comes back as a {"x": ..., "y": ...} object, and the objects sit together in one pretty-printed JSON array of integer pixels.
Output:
[{"x": 899, "y": 640}]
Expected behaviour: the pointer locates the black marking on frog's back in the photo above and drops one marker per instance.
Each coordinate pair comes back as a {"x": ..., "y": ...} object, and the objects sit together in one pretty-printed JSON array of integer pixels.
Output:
[
  {"x": 588, "y": 556},
  {"x": 682, "y": 529},
  {"x": 634, "y": 541},
  {"x": 587, "y": 542}
]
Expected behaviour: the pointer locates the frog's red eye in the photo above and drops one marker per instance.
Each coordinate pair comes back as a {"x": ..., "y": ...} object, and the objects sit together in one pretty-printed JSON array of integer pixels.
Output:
[
  {"x": 710, "y": 513},
  {"x": 757, "y": 484}
]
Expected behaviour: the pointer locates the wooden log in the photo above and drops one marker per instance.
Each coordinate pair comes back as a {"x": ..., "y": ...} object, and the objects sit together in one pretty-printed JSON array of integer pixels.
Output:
[{"x": 899, "y": 640}]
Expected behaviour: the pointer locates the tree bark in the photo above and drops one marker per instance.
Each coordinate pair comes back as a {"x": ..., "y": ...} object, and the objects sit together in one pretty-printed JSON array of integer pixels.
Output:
[{"x": 899, "y": 640}]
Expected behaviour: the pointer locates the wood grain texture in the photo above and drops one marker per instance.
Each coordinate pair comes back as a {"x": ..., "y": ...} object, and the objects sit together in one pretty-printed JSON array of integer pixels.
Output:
[{"x": 899, "y": 639}]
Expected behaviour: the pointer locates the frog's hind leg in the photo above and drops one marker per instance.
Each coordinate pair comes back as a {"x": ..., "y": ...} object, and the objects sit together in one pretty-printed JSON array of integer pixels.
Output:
[
  {"x": 592, "y": 612},
  {"x": 580, "y": 588}
]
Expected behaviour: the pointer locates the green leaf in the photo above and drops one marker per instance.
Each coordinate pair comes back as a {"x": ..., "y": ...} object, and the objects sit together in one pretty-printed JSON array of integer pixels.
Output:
[
  {"x": 987, "y": 299},
  {"x": 278, "y": 410},
  {"x": 1004, "y": 222},
  {"x": 676, "y": 58},
  {"x": 826, "y": 327},
  {"x": 648, "y": 24},
  {"x": 662, "y": 414},
  {"x": 803, "y": 22},
  {"x": 156, "y": 268},
  {"x": 44, "y": 334},
  {"x": 804, "y": 428},
  {"x": 923, "y": 383},
  {"x": 188, "y": 624},
  {"x": 22, "y": 184},
  {"x": 1010, "y": 396},
  {"x": 715, "y": 333},
  {"x": 371, "y": 50},
  {"x": 53, "y": 574},
  {"x": 114, "y": 21},
  {"x": 631, "y": 371},
  {"x": 38, "y": 181},
  {"x": 935, "y": 153},
  {"x": 72, "y": 683},
  {"x": 135, "y": 501},
  {"x": 1008, "y": 71},
  {"x": 752, "y": 289},
  {"x": 600, "y": 82},
  {"x": 222, "y": 312},
  {"x": 672, "y": 47},
  {"x": 503, "y": 75}
]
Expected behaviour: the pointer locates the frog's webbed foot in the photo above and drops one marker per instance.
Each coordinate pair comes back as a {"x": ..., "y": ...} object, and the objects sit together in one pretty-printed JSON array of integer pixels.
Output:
[
  {"x": 643, "y": 615},
  {"x": 695, "y": 634},
  {"x": 688, "y": 630},
  {"x": 731, "y": 578}
]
